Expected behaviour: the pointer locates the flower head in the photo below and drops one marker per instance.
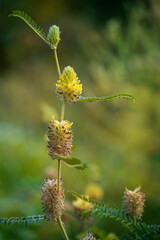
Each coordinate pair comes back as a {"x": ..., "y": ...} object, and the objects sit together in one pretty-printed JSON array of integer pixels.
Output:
[
  {"x": 52, "y": 201},
  {"x": 133, "y": 202},
  {"x": 54, "y": 35},
  {"x": 59, "y": 138},
  {"x": 94, "y": 191},
  {"x": 69, "y": 87},
  {"x": 89, "y": 236},
  {"x": 81, "y": 204}
]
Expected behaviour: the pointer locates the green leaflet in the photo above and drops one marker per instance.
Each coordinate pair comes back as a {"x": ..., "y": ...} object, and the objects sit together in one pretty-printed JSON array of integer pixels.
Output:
[
  {"x": 141, "y": 231},
  {"x": 25, "y": 220},
  {"x": 95, "y": 99},
  {"x": 26, "y": 18},
  {"x": 72, "y": 162}
]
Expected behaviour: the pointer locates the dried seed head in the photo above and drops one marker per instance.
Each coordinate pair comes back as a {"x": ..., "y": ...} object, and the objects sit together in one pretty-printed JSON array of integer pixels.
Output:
[
  {"x": 59, "y": 138},
  {"x": 88, "y": 237},
  {"x": 133, "y": 202},
  {"x": 54, "y": 36},
  {"x": 69, "y": 87},
  {"x": 52, "y": 201}
]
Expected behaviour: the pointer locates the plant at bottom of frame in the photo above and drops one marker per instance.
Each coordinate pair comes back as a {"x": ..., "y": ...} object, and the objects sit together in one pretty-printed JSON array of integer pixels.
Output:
[{"x": 130, "y": 216}]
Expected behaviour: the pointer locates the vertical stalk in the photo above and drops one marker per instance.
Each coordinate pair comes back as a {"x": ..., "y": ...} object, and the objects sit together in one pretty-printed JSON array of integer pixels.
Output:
[
  {"x": 63, "y": 110},
  {"x": 57, "y": 62},
  {"x": 62, "y": 228},
  {"x": 59, "y": 176},
  {"x": 59, "y": 161}
]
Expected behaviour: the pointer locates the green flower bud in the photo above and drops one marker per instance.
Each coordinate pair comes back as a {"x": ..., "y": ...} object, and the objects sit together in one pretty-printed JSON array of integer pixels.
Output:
[{"x": 54, "y": 36}]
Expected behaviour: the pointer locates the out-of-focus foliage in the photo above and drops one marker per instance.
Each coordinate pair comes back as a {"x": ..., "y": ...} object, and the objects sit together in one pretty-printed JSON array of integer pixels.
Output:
[{"x": 119, "y": 140}]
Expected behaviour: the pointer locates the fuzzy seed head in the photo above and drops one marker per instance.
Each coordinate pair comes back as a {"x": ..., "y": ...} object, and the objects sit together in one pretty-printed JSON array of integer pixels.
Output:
[
  {"x": 89, "y": 237},
  {"x": 52, "y": 201},
  {"x": 59, "y": 138},
  {"x": 133, "y": 202},
  {"x": 69, "y": 87},
  {"x": 54, "y": 36}
]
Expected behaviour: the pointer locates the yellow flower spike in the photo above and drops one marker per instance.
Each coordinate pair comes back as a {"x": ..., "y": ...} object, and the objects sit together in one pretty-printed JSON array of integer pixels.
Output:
[
  {"x": 133, "y": 202},
  {"x": 59, "y": 138},
  {"x": 68, "y": 87}
]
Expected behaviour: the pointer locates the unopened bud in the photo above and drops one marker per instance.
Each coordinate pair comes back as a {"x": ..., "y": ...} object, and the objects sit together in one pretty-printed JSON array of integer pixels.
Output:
[{"x": 54, "y": 36}]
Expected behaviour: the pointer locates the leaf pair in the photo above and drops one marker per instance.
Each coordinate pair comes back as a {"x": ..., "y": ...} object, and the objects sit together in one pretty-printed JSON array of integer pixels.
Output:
[{"x": 72, "y": 162}]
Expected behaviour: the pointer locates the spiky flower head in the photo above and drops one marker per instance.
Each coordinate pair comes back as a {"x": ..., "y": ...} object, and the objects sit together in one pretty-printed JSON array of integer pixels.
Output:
[
  {"x": 68, "y": 87},
  {"x": 59, "y": 138},
  {"x": 52, "y": 201},
  {"x": 54, "y": 36},
  {"x": 89, "y": 236},
  {"x": 133, "y": 202}
]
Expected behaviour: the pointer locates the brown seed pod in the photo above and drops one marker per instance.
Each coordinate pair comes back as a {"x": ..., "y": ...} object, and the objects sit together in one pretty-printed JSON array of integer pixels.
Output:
[
  {"x": 133, "y": 203},
  {"x": 52, "y": 201},
  {"x": 89, "y": 236}
]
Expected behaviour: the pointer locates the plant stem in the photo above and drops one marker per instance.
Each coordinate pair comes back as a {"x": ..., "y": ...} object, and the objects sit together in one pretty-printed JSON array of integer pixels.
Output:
[
  {"x": 59, "y": 175},
  {"x": 59, "y": 161},
  {"x": 62, "y": 228},
  {"x": 63, "y": 110},
  {"x": 57, "y": 62}
]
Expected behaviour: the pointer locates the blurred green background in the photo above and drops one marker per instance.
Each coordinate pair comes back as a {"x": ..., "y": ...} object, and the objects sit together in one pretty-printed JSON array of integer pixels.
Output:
[{"x": 114, "y": 46}]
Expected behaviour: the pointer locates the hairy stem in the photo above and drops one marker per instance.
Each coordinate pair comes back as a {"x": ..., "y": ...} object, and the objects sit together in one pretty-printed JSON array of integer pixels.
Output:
[
  {"x": 59, "y": 175},
  {"x": 59, "y": 161},
  {"x": 57, "y": 62},
  {"x": 63, "y": 110},
  {"x": 62, "y": 228}
]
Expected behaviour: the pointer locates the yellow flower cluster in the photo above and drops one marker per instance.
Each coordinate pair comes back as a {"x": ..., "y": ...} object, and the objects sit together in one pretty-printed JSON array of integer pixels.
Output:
[
  {"x": 52, "y": 201},
  {"x": 133, "y": 202},
  {"x": 59, "y": 138},
  {"x": 94, "y": 191},
  {"x": 81, "y": 204},
  {"x": 69, "y": 87}
]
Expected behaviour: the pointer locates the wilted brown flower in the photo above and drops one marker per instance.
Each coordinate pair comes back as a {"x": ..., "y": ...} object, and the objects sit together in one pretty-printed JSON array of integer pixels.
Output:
[
  {"x": 88, "y": 237},
  {"x": 52, "y": 201},
  {"x": 133, "y": 202},
  {"x": 59, "y": 138}
]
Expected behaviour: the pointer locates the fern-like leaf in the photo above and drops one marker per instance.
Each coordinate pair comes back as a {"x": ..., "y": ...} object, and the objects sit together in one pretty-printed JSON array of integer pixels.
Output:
[
  {"x": 95, "y": 99},
  {"x": 25, "y": 220},
  {"x": 117, "y": 214},
  {"x": 27, "y": 19},
  {"x": 105, "y": 210}
]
